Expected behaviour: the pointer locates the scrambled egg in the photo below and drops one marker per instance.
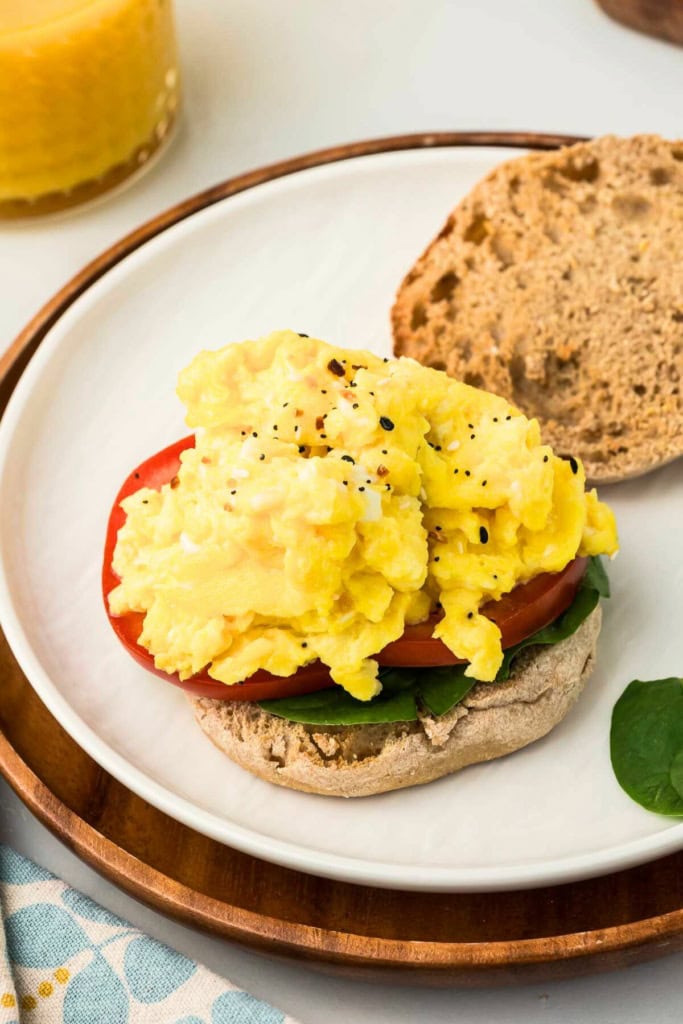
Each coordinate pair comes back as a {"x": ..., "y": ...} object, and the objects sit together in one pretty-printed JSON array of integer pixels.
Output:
[{"x": 334, "y": 497}]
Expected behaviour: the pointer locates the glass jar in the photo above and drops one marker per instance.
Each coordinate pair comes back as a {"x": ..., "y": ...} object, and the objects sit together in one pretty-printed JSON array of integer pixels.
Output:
[{"x": 88, "y": 92}]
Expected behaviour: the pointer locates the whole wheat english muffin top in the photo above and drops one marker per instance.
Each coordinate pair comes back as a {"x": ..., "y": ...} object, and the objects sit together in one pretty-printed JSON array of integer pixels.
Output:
[{"x": 558, "y": 283}]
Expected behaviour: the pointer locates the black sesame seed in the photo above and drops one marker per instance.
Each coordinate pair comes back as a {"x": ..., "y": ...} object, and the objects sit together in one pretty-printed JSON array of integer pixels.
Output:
[
  {"x": 285, "y": 405},
  {"x": 345, "y": 482},
  {"x": 438, "y": 447},
  {"x": 304, "y": 644},
  {"x": 388, "y": 487},
  {"x": 335, "y": 367},
  {"x": 348, "y": 458},
  {"x": 254, "y": 434},
  {"x": 243, "y": 433},
  {"x": 145, "y": 501},
  {"x": 495, "y": 419},
  {"x": 302, "y": 448},
  {"x": 361, "y": 488},
  {"x": 352, "y": 384},
  {"x": 484, "y": 483},
  {"x": 261, "y": 458},
  {"x": 456, "y": 470},
  {"x": 303, "y": 336},
  {"x": 483, "y": 535},
  {"x": 472, "y": 437},
  {"x": 322, "y": 391},
  {"x": 137, "y": 476},
  {"x": 385, "y": 423},
  {"x": 355, "y": 405},
  {"x": 574, "y": 464},
  {"x": 436, "y": 558},
  {"x": 471, "y": 426},
  {"x": 275, "y": 426},
  {"x": 495, "y": 576},
  {"x": 384, "y": 451},
  {"x": 385, "y": 360},
  {"x": 437, "y": 528},
  {"x": 470, "y": 615},
  {"x": 233, "y": 492},
  {"x": 467, "y": 473},
  {"x": 508, "y": 417},
  {"x": 324, "y": 437}
]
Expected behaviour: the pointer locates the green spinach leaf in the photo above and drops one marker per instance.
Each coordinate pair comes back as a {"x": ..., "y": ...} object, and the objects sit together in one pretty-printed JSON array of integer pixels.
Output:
[
  {"x": 646, "y": 744},
  {"x": 337, "y": 707}
]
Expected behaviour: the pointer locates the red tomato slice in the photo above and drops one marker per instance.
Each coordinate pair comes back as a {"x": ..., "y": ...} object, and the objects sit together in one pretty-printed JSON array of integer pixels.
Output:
[{"x": 529, "y": 607}]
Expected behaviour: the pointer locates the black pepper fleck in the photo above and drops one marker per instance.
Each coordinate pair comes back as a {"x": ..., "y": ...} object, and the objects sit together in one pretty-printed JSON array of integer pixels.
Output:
[{"x": 137, "y": 476}]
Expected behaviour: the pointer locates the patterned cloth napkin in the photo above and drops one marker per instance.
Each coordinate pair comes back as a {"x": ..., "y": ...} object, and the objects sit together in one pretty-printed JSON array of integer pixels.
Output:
[{"x": 66, "y": 960}]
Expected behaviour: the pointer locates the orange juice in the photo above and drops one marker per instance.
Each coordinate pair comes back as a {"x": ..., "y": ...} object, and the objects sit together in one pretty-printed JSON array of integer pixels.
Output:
[{"x": 88, "y": 91}]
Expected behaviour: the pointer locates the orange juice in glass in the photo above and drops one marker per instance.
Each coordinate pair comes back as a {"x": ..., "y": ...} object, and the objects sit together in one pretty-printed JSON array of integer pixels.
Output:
[{"x": 88, "y": 92}]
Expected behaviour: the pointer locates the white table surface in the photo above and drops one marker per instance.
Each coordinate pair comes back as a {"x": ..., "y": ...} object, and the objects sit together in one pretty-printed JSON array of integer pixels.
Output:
[{"x": 265, "y": 80}]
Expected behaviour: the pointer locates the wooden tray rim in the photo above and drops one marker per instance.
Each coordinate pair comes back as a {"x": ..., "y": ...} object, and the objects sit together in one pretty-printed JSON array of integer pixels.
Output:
[{"x": 177, "y": 899}]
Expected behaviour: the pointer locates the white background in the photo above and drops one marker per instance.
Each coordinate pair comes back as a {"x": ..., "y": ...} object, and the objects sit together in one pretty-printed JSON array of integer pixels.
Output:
[{"x": 265, "y": 80}]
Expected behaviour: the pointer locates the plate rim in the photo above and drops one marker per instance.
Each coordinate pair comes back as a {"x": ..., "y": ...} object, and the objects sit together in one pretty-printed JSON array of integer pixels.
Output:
[
  {"x": 517, "y": 876},
  {"x": 103, "y": 853}
]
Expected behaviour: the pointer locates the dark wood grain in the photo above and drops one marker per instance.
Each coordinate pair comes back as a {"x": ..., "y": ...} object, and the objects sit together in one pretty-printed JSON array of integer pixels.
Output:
[
  {"x": 472, "y": 939},
  {"x": 660, "y": 18}
]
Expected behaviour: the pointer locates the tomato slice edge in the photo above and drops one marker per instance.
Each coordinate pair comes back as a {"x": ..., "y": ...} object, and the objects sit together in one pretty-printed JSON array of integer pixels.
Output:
[{"x": 519, "y": 614}]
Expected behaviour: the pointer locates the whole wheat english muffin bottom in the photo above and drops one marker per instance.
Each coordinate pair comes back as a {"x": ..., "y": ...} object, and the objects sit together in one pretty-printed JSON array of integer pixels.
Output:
[
  {"x": 360, "y": 760},
  {"x": 558, "y": 284}
]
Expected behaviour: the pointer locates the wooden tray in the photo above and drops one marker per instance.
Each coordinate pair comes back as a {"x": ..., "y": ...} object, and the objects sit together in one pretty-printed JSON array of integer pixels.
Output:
[{"x": 471, "y": 939}]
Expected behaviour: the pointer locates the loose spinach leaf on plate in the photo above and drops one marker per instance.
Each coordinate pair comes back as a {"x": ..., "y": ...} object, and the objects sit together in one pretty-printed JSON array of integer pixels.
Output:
[
  {"x": 437, "y": 690},
  {"x": 646, "y": 744}
]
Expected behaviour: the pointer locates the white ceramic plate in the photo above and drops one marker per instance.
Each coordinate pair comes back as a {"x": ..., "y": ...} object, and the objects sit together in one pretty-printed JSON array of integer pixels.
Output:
[{"x": 320, "y": 251}]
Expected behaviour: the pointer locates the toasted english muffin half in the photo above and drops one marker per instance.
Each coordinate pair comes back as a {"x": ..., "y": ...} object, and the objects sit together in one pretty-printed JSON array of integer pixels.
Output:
[
  {"x": 558, "y": 284},
  {"x": 359, "y": 760}
]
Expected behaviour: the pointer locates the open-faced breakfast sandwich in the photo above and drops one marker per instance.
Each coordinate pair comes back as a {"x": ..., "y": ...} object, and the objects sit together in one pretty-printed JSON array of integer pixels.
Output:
[{"x": 366, "y": 574}]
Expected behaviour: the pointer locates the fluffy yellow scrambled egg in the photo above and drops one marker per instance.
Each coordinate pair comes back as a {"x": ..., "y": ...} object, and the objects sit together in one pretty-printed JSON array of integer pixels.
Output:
[{"x": 334, "y": 497}]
